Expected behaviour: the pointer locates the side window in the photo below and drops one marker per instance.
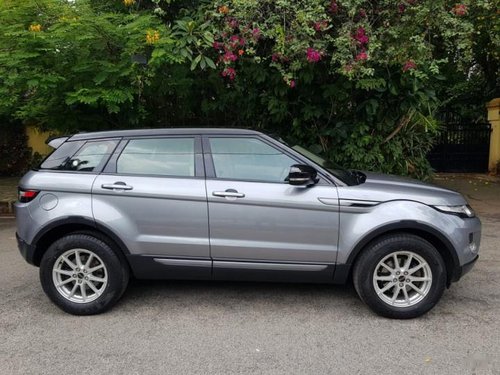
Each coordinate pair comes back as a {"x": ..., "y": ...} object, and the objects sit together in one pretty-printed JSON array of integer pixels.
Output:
[
  {"x": 249, "y": 159},
  {"x": 80, "y": 156},
  {"x": 158, "y": 156}
]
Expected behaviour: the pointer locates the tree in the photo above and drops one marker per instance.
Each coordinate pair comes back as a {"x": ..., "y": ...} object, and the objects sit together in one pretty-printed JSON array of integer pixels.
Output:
[{"x": 65, "y": 65}]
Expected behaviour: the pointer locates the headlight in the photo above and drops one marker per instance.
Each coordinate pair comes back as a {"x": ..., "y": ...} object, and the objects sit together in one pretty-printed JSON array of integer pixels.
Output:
[{"x": 462, "y": 211}]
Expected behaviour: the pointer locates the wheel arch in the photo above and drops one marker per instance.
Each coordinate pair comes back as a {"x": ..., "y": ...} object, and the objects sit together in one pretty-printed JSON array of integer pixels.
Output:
[
  {"x": 442, "y": 244},
  {"x": 71, "y": 224}
]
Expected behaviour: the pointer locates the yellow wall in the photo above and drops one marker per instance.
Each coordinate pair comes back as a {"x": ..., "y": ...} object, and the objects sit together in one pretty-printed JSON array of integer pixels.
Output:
[
  {"x": 36, "y": 140},
  {"x": 494, "y": 119}
]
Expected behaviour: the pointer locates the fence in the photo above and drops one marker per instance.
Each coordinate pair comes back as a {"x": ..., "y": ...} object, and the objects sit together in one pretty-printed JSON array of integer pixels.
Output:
[{"x": 462, "y": 147}]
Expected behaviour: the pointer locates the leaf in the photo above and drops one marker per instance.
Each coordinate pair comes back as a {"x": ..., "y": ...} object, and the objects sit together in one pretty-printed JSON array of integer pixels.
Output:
[
  {"x": 100, "y": 77},
  {"x": 196, "y": 61},
  {"x": 210, "y": 62}
]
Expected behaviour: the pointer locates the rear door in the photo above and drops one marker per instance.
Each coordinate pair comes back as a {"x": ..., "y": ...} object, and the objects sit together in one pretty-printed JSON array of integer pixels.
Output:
[
  {"x": 260, "y": 226},
  {"x": 152, "y": 196}
]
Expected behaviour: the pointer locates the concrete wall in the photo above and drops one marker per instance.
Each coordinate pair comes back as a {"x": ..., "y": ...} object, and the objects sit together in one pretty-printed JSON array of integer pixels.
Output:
[
  {"x": 494, "y": 119},
  {"x": 36, "y": 140}
]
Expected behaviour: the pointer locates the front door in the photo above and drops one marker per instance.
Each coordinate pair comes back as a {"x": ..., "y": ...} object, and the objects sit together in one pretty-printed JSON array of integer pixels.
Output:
[{"x": 260, "y": 226}]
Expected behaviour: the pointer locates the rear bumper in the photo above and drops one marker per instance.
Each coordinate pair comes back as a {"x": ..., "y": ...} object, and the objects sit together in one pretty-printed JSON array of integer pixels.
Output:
[{"x": 26, "y": 250}]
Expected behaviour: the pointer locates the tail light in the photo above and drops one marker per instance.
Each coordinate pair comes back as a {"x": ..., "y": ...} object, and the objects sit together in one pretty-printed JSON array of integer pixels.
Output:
[{"x": 26, "y": 196}]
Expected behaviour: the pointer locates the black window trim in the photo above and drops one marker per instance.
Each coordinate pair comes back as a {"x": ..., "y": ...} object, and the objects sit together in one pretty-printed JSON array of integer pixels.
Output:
[{"x": 199, "y": 169}]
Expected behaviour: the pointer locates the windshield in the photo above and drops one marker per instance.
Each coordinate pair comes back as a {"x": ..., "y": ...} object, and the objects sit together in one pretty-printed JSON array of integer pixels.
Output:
[{"x": 349, "y": 177}]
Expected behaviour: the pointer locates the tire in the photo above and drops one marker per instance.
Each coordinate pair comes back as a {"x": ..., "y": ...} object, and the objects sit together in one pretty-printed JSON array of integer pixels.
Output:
[
  {"x": 67, "y": 279},
  {"x": 377, "y": 284}
]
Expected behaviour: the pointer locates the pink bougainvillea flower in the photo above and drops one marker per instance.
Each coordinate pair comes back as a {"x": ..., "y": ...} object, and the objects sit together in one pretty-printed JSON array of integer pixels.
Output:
[
  {"x": 256, "y": 33},
  {"x": 361, "y": 36},
  {"x": 291, "y": 83},
  {"x": 236, "y": 41},
  {"x": 362, "y": 56},
  {"x": 409, "y": 65},
  {"x": 275, "y": 57},
  {"x": 217, "y": 45},
  {"x": 229, "y": 56},
  {"x": 320, "y": 25},
  {"x": 229, "y": 73},
  {"x": 313, "y": 55},
  {"x": 233, "y": 23},
  {"x": 401, "y": 8},
  {"x": 459, "y": 10},
  {"x": 334, "y": 7}
]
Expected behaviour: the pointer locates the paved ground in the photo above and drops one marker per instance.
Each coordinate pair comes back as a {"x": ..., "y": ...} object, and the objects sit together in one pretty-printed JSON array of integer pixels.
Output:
[{"x": 232, "y": 328}]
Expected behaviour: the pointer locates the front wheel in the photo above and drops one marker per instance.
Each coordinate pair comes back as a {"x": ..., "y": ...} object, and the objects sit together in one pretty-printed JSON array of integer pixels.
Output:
[
  {"x": 400, "y": 276},
  {"x": 82, "y": 275}
]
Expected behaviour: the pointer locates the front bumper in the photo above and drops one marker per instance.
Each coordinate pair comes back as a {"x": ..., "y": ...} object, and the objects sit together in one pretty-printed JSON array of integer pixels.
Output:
[
  {"x": 465, "y": 268},
  {"x": 26, "y": 250}
]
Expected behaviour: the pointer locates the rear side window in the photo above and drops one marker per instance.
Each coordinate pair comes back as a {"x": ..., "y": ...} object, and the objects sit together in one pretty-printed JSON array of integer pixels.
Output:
[
  {"x": 80, "y": 156},
  {"x": 159, "y": 156}
]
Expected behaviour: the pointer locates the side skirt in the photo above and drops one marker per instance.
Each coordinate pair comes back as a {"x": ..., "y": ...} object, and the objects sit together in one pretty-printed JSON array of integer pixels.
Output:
[
  {"x": 154, "y": 268},
  {"x": 151, "y": 267},
  {"x": 273, "y": 272}
]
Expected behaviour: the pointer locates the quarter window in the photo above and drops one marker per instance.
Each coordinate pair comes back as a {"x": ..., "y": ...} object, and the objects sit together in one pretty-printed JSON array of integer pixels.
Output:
[
  {"x": 77, "y": 156},
  {"x": 249, "y": 159},
  {"x": 159, "y": 156}
]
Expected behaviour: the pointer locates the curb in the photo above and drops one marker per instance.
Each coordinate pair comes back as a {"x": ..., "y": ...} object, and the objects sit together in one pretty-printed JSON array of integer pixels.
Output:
[{"x": 475, "y": 176}]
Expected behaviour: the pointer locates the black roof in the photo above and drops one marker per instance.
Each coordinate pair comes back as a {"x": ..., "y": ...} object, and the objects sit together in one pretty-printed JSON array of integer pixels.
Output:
[{"x": 163, "y": 131}]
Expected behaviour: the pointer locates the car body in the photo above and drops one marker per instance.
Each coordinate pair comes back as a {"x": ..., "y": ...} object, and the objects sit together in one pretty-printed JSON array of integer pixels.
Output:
[{"x": 223, "y": 204}]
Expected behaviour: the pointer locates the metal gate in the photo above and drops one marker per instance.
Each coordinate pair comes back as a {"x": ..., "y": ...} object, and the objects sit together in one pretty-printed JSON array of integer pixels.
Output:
[{"x": 462, "y": 147}]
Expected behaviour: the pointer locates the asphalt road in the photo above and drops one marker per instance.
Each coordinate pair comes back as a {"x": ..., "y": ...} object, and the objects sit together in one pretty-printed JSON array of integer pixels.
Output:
[{"x": 247, "y": 328}]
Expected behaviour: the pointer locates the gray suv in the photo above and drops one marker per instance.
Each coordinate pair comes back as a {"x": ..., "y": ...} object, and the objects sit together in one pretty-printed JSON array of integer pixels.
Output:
[{"x": 226, "y": 204}]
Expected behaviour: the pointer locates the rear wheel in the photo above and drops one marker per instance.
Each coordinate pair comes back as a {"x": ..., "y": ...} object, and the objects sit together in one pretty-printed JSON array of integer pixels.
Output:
[
  {"x": 82, "y": 275},
  {"x": 400, "y": 276}
]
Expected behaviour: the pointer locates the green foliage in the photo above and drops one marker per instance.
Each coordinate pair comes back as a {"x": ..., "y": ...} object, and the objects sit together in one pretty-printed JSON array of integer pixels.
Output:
[
  {"x": 62, "y": 65},
  {"x": 465, "y": 92}
]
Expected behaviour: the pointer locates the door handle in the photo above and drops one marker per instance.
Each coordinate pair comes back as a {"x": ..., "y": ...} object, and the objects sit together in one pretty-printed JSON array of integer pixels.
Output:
[
  {"x": 229, "y": 193},
  {"x": 117, "y": 186}
]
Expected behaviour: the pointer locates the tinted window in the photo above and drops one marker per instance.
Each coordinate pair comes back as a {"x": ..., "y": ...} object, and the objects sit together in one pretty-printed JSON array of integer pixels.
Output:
[
  {"x": 166, "y": 157},
  {"x": 249, "y": 159},
  {"x": 79, "y": 156}
]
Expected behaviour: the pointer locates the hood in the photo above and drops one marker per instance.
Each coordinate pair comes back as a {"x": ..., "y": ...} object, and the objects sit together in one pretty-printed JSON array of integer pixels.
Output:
[{"x": 383, "y": 188}]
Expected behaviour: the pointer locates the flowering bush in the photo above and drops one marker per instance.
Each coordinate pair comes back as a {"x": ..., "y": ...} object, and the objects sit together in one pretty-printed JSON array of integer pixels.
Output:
[
  {"x": 360, "y": 70},
  {"x": 345, "y": 35}
]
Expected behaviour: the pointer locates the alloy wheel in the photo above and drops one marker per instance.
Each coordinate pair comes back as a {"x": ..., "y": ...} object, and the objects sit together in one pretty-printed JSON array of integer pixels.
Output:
[
  {"x": 402, "y": 279},
  {"x": 80, "y": 275}
]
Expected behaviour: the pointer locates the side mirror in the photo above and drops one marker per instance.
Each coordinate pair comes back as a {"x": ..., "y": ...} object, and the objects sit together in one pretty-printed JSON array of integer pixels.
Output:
[{"x": 302, "y": 175}]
